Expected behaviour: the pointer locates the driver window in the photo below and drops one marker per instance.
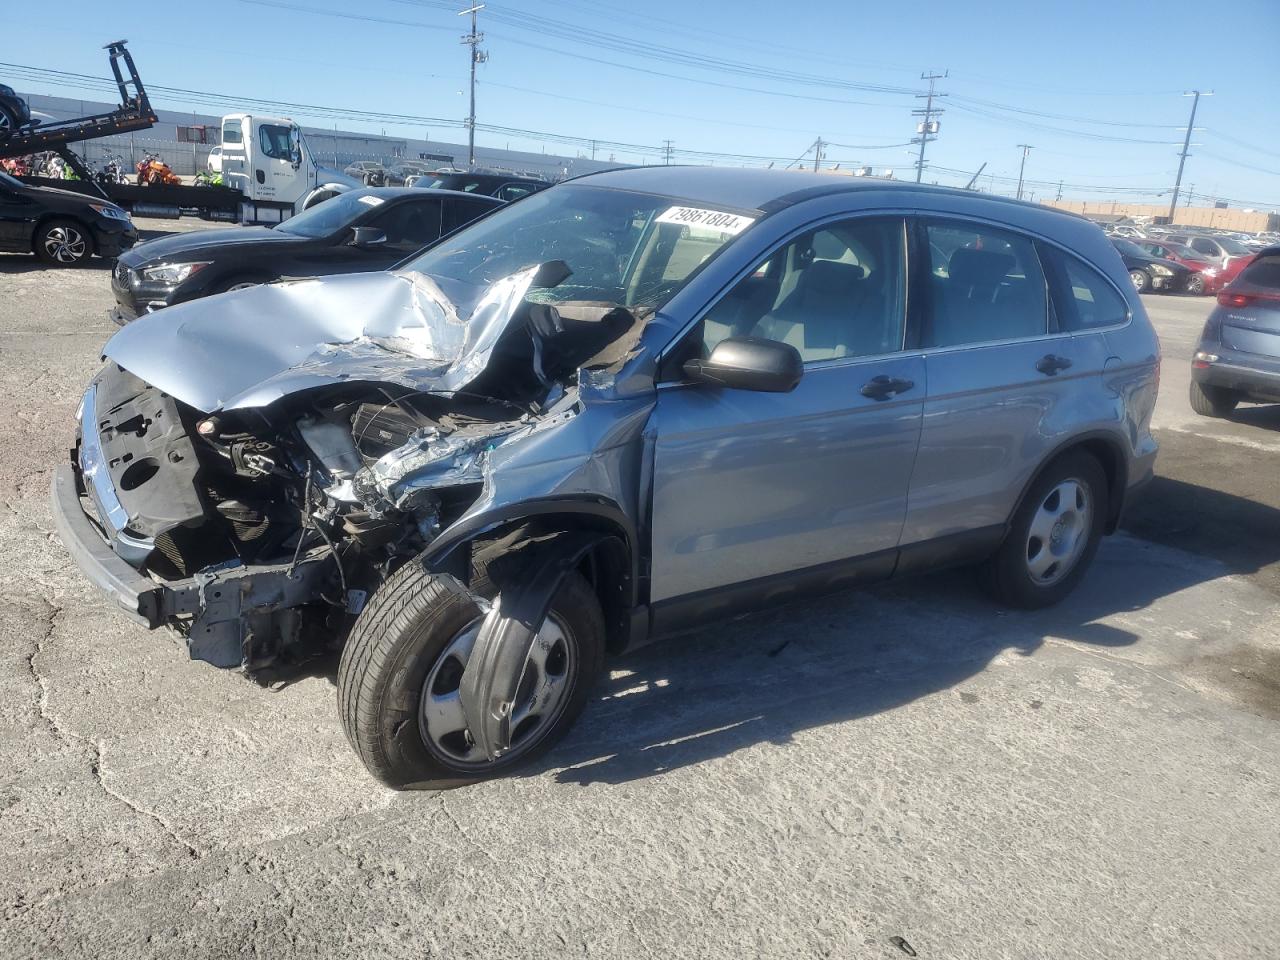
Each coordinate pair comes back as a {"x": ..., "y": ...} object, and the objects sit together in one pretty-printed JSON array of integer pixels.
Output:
[
  {"x": 832, "y": 293},
  {"x": 410, "y": 226}
]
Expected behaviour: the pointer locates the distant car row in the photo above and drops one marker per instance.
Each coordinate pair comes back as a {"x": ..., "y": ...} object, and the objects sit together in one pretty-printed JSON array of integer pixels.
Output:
[{"x": 414, "y": 173}]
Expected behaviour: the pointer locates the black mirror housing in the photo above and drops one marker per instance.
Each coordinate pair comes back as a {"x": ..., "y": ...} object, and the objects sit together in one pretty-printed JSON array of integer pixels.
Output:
[
  {"x": 367, "y": 237},
  {"x": 749, "y": 363}
]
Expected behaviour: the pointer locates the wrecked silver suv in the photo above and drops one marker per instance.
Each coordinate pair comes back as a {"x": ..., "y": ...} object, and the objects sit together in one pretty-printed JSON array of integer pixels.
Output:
[{"x": 628, "y": 405}]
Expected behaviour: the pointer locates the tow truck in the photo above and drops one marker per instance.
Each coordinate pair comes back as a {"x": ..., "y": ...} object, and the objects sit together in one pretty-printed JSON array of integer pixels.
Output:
[{"x": 268, "y": 172}]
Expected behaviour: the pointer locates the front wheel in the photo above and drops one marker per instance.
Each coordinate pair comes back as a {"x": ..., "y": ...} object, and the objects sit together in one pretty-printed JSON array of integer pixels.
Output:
[
  {"x": 1141, "y": 282},
  {"x": 1212, "y": 401},
  {"x": 63, "y": 243},
  {"x": 1195, "y": 285},
  {"x": 1053, "y": 536},
  {"x": 401, "y": 671}
]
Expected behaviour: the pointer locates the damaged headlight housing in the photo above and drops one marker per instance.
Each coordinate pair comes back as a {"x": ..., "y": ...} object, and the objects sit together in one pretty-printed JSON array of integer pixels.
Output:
[{"x": 171, "y": 272}]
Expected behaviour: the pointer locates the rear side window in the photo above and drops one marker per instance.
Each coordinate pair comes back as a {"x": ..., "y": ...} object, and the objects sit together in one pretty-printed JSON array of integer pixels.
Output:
[
  {"x": 1205, "y": 246},
  {"x": 1083, "y": 297},
  {"x": 985, "y": 285},
  {"x": 1263, "y": 272}
]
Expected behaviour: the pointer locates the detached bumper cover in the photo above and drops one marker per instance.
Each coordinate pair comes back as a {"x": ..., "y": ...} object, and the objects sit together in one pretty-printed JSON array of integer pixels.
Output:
[{"x": 138, "y": 596}]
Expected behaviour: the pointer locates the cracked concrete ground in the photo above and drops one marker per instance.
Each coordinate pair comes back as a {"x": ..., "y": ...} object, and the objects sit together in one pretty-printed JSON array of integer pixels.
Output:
[{"x": 903, "y": 762}]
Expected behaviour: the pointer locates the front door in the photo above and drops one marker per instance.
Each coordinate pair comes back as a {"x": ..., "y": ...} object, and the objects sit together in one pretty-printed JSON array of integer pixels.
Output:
[{"x": 758, "y": 490}]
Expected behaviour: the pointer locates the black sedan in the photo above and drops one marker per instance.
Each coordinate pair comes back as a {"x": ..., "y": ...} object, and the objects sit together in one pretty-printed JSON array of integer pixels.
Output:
[
  {"x": 14, "y": 112},
  {"x": 60, "y": 227},
  {"x": 356, "y": 232},
  {"x": 504, "y": 186},
  {"x": 1151, "y": 273}
]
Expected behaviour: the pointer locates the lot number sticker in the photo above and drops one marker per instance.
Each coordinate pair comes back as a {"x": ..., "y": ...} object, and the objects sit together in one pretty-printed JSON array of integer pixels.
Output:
[
  {"x": 370, "y": 200},
  {"x": 707, "y": 221}
]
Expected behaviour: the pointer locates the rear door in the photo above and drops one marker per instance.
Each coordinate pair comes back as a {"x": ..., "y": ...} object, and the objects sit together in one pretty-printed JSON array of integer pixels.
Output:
[
  {"x": 765, "y": 489},
  {"x": 17, "y": 216},
  {"x": 1003, "y": 372}
]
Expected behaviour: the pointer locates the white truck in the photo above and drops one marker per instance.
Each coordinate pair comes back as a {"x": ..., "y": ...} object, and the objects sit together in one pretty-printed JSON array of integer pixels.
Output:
[{"x": 266, "y": 160}]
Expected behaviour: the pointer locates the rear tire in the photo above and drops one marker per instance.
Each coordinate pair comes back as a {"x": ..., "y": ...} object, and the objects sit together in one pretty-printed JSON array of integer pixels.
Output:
[
  {"x": 1053, "y": 536},
  {"x": 414, "y": 621},
  {"x": 1212, "y": 401}
]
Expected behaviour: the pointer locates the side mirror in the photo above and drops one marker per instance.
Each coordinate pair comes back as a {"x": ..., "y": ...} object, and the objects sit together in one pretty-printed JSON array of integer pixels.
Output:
[
  {"x": 367, "y": 237},
  {"x": 749, "y": 363}
]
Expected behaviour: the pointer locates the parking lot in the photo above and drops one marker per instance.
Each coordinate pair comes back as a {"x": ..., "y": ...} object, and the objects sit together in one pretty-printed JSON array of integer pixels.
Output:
[{"x": 907, "y": 762}]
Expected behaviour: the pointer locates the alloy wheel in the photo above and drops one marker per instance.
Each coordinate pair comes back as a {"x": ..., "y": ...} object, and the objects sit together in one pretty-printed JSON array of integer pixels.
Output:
[{"x": 65, "y": 244}]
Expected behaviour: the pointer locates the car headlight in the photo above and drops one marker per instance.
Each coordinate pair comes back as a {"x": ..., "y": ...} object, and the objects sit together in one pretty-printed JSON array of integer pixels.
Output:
[
  {"x": 109, "y": 211},
  {"x": 171, "y": 272},
  {"x": 1160, "y": 270}
]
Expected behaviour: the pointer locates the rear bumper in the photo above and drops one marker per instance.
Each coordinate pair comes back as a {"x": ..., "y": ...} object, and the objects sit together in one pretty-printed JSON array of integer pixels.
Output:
[{"x": 1258, "y": 377}]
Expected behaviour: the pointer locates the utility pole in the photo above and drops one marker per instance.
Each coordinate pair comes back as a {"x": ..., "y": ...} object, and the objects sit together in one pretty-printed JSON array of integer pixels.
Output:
[
  {"x": 593, "y": 149},
  {"x": 817, "y": 153},
  {"x": 1026, "y": 148},
  {"x": 974, "y": 178},
  {"x": 472, "y": 40},
  {"x": 1186, "y": 145},
  {"x": 666, "y": 153},
  {"x": 1059, "y": 196},
  {"x": 927, "y": 128}
]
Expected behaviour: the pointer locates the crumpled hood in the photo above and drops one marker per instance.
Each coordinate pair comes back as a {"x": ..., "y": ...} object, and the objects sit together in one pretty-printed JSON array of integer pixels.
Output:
[{"x": 252, "y": 347}]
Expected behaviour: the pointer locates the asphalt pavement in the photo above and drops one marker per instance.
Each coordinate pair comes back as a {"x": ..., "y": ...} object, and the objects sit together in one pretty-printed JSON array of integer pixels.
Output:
[{"x": 904, "y": 764}]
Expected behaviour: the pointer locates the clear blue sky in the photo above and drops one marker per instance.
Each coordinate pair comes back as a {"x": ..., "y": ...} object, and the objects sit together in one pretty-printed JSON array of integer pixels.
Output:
[{"x": 1122, "y": 65}]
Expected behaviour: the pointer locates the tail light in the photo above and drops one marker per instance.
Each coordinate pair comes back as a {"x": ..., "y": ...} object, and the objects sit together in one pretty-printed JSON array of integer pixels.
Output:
[{"x": 1229, "y": 298}]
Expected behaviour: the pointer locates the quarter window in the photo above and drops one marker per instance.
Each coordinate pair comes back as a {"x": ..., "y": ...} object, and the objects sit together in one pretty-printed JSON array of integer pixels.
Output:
[
  {"x": 1085, "y": 299},
  {"x": 231, "y": 132},
  {"x": 985, "y": 285},
  {"x": 832, "y": 293}
]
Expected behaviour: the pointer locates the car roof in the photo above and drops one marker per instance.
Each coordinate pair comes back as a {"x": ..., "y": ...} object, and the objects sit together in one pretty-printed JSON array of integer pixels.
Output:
[{"x": 756, "y": 189}]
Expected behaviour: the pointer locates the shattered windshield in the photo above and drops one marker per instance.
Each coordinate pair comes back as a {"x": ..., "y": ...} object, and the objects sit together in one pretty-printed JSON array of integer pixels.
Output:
[{"x": 629, "y": 249}]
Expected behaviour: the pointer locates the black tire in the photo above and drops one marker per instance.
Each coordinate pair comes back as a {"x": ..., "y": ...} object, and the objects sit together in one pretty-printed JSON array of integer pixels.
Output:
[
  {"x": 1007, "y": 574},
  {"x": 63, "y": 243},
  {"x": 1212, "y": 401},
  {"x": 1195, "y": 285},
  {"x": 8, "y": 121},
  {"x": 1141, "y": 280},
  {"x": 402, "y": 632}
]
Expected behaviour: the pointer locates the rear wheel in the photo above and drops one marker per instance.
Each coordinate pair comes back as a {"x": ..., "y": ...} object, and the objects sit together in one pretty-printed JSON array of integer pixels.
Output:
[
  {"x": 8, "y": 121},
  {"x": 1054, "y": 534},
  {"x": 1141, "y": 281},
  {"x": 1212, "y": 401},
  {"x": 401, "y": 671},
  {"x": 63, "y": 243}
]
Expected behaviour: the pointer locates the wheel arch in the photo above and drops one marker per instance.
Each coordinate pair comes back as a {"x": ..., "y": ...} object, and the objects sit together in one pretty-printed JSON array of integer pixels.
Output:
[
  {"x": 1108, "y": 450},
  {"x": 51, "y": 215},
  {"x": 612, "y": 566}
]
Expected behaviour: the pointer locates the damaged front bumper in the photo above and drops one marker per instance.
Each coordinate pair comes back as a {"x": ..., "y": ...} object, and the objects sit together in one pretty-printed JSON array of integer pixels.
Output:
[{"x": 218, "y": 609}]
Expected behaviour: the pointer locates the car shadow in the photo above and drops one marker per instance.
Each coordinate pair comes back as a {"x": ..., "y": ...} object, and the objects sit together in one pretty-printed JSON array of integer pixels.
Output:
[
  {"x": 765, "y": 679},
  {"x": 15, "y": 263},
  {"x": 1266, "y": 416}
]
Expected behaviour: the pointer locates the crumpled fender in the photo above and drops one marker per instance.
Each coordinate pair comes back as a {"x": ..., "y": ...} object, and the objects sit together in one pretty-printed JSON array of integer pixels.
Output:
[{"x": 496, "y": 665}]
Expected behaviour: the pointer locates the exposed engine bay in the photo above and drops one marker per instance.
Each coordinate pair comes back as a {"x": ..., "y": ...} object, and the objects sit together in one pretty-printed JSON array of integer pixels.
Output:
[{"x": 271, "y": 525}]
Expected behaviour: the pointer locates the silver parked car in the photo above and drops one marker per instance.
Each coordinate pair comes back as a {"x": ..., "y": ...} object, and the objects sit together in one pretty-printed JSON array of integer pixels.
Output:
[
  {"x": 1238, "y": 357},
  {"x": 629, "y": 405}
]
